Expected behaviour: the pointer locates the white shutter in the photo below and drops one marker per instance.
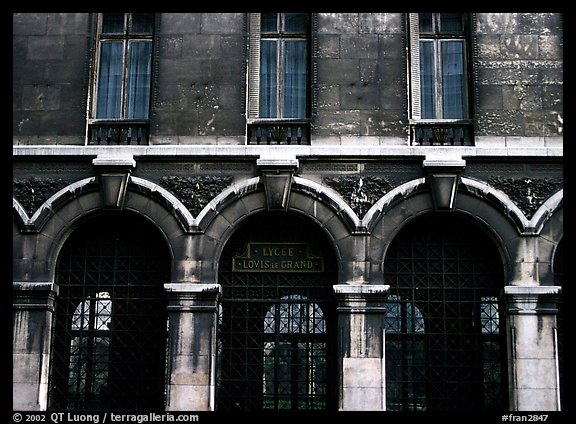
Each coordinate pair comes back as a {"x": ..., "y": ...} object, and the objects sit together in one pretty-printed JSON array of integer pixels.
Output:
[
  {"x": 254, "y": 66},
  {"x": 414, "y": 65}
]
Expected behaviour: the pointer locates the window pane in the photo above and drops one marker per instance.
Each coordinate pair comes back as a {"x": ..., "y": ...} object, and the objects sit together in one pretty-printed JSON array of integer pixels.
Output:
[
  {"x": 113, "y": 23},
  {"x": 268, "y": 78},
  {"x": 295, "y": 79},
  {"x": 269, "y": 22},
  {"x": 296, "y": 22},
  {"x": 451, "y": 22},
  {"x": 142, "y": 23},
  {"x": 110, "y": 80},
  {"x": 427, "y": 80},
  {"x": 425, "y": 22},
  {"x": 453, "y": 80},
  {"x": 139, "y": 80},
  {"x": 489, "y": 317}
]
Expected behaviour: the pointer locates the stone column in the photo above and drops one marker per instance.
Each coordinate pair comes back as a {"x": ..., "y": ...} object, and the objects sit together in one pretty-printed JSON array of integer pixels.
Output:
[
  {"x": 193, "y": 320},
  {"x": 532, "y": 347},
  {"x": 361, "y": 310},
  {"x": 33, "y": 306}
]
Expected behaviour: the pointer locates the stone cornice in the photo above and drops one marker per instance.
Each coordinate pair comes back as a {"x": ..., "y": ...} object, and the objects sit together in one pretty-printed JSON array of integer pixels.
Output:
[{"x": 256, "y": 151}]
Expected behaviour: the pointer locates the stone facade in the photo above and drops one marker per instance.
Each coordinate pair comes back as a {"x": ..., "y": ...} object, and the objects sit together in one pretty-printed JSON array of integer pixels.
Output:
[{"x": 359, "y": 180}]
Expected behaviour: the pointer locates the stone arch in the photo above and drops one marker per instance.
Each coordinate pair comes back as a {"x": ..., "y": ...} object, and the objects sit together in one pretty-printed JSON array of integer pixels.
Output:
[
  {"x": 402, "y": 207},
  {"x": 231, "y": 218},
  {"x": 36, "y": 222},
  {"x": 57, "y": 218},
  {"x": 445, "y": 258},
  {"x": 508, "y": 208},
  {"x": 491, "y": 208},
  {"x": 308, "y": 199},
  {"x": 190, "y": 238},
  {"x": 111, "y": 270},
  {"x": 250, "y": 289},
  {"x": 479, "y": 189}
]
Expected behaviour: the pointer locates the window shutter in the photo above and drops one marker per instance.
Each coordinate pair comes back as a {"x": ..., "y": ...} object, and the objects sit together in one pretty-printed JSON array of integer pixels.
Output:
[
  {"x": 413, "y": 33},
  {"x": 254, "y": 66},
  {"x": 314, "y": 67}
]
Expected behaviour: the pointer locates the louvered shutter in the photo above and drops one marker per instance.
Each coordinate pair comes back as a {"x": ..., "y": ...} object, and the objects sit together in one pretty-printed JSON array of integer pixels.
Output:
[
  {"x": 414, "y": 46},
  {"x": 254, "y": 66}
]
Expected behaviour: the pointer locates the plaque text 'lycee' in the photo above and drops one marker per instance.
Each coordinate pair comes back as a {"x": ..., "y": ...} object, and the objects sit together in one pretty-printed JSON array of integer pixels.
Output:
[{"x": 277, "y": 257}]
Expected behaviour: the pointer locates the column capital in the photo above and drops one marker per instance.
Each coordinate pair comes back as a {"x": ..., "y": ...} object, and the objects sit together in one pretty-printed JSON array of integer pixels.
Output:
[
  {"x": 365, "y": 290},
  {"x": 29, "y": 295},
  {"x": 197, "y": 288},
  {"x": 531, "y": 299},
  {"x": 361, "y": 298},
  {"x": 192, "y": 297}
]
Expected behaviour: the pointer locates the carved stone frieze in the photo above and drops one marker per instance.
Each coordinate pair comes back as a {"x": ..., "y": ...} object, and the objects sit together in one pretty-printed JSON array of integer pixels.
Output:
[
  {"x": 527, "y": 193},
  {"x": 360, "y": 191},
  {"x": 195, "y": 191},
  {"x": 32, "y": 192}
]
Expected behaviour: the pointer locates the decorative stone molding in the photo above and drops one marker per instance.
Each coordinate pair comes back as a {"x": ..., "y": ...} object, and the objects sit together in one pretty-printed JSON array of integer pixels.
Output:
[
  {"x": 195, "y": 192},
  {"x": 361, "y": 192},
  {"x": 364, "y": 298},
  {"x": 527, "y": 193},
  {"x": 531, "y": 300},
  {"x": 192, "y": 297},
  {"x": 33, "y": 192},
  {"x": 277, "y": 175},
  {"x": 113, "y": 175},
  {"x": 33, "y": 295},
  {"x": 443, "y": 176},
  {"x": 509, "y": 209}
]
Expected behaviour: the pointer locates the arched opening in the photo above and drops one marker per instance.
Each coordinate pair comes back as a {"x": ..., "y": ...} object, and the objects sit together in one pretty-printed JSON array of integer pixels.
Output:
[
  {"x": 109, "y": 335},
  {"x": 445, "y": 347},
  {"x": 277, "y": 329}
]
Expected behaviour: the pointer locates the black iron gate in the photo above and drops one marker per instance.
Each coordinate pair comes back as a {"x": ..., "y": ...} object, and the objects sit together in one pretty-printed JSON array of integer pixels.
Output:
[
  {"x": 108, "y": 348},
  {"x": 276, "y": 332},
  {"x": 445, "y": 347}
]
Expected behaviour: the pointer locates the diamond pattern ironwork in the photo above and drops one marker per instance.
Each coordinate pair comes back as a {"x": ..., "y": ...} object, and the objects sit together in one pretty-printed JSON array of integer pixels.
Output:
[
  {"x": 110, "y": 329},
  {"x": 276, "y": 333},
  {"x": 448, "y": 274}
]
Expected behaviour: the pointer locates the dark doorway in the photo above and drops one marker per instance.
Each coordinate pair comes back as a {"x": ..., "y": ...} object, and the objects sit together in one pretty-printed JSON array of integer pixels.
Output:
[
  {"x": 109, "y": 335},
  {"x": 445, "y": 346},
  {"x": 276, "y": 330}
]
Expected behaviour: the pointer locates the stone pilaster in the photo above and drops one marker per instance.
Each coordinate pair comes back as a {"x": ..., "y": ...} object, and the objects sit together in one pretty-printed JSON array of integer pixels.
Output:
[
  {"x": 532, "y": 347},
  {"x": 33, "y": 306},
  {"x": 193, "y": 319},
  {"x": 361, "y": 310}
]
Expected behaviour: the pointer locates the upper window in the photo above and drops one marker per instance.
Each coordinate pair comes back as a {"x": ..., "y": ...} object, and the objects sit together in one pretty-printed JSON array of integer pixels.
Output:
[
  {"x": 124, "y": 66},
  {"x": 279, "y": 78},
  {"x": 282, "y": 67},
  {"x": 439, "y": 66}
]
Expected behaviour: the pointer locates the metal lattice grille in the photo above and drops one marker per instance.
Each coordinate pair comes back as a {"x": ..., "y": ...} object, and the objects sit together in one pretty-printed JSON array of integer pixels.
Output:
[
  {"x": 110, "y": 328},
  {"x": 275, "y": 339},
  {"x": 444, "y": 348}
]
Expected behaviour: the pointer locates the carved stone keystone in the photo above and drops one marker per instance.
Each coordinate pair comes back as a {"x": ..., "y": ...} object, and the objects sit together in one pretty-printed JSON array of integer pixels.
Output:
[
  {"x": 113, "y": 175},
  {"x": 277, "y": 177}
]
